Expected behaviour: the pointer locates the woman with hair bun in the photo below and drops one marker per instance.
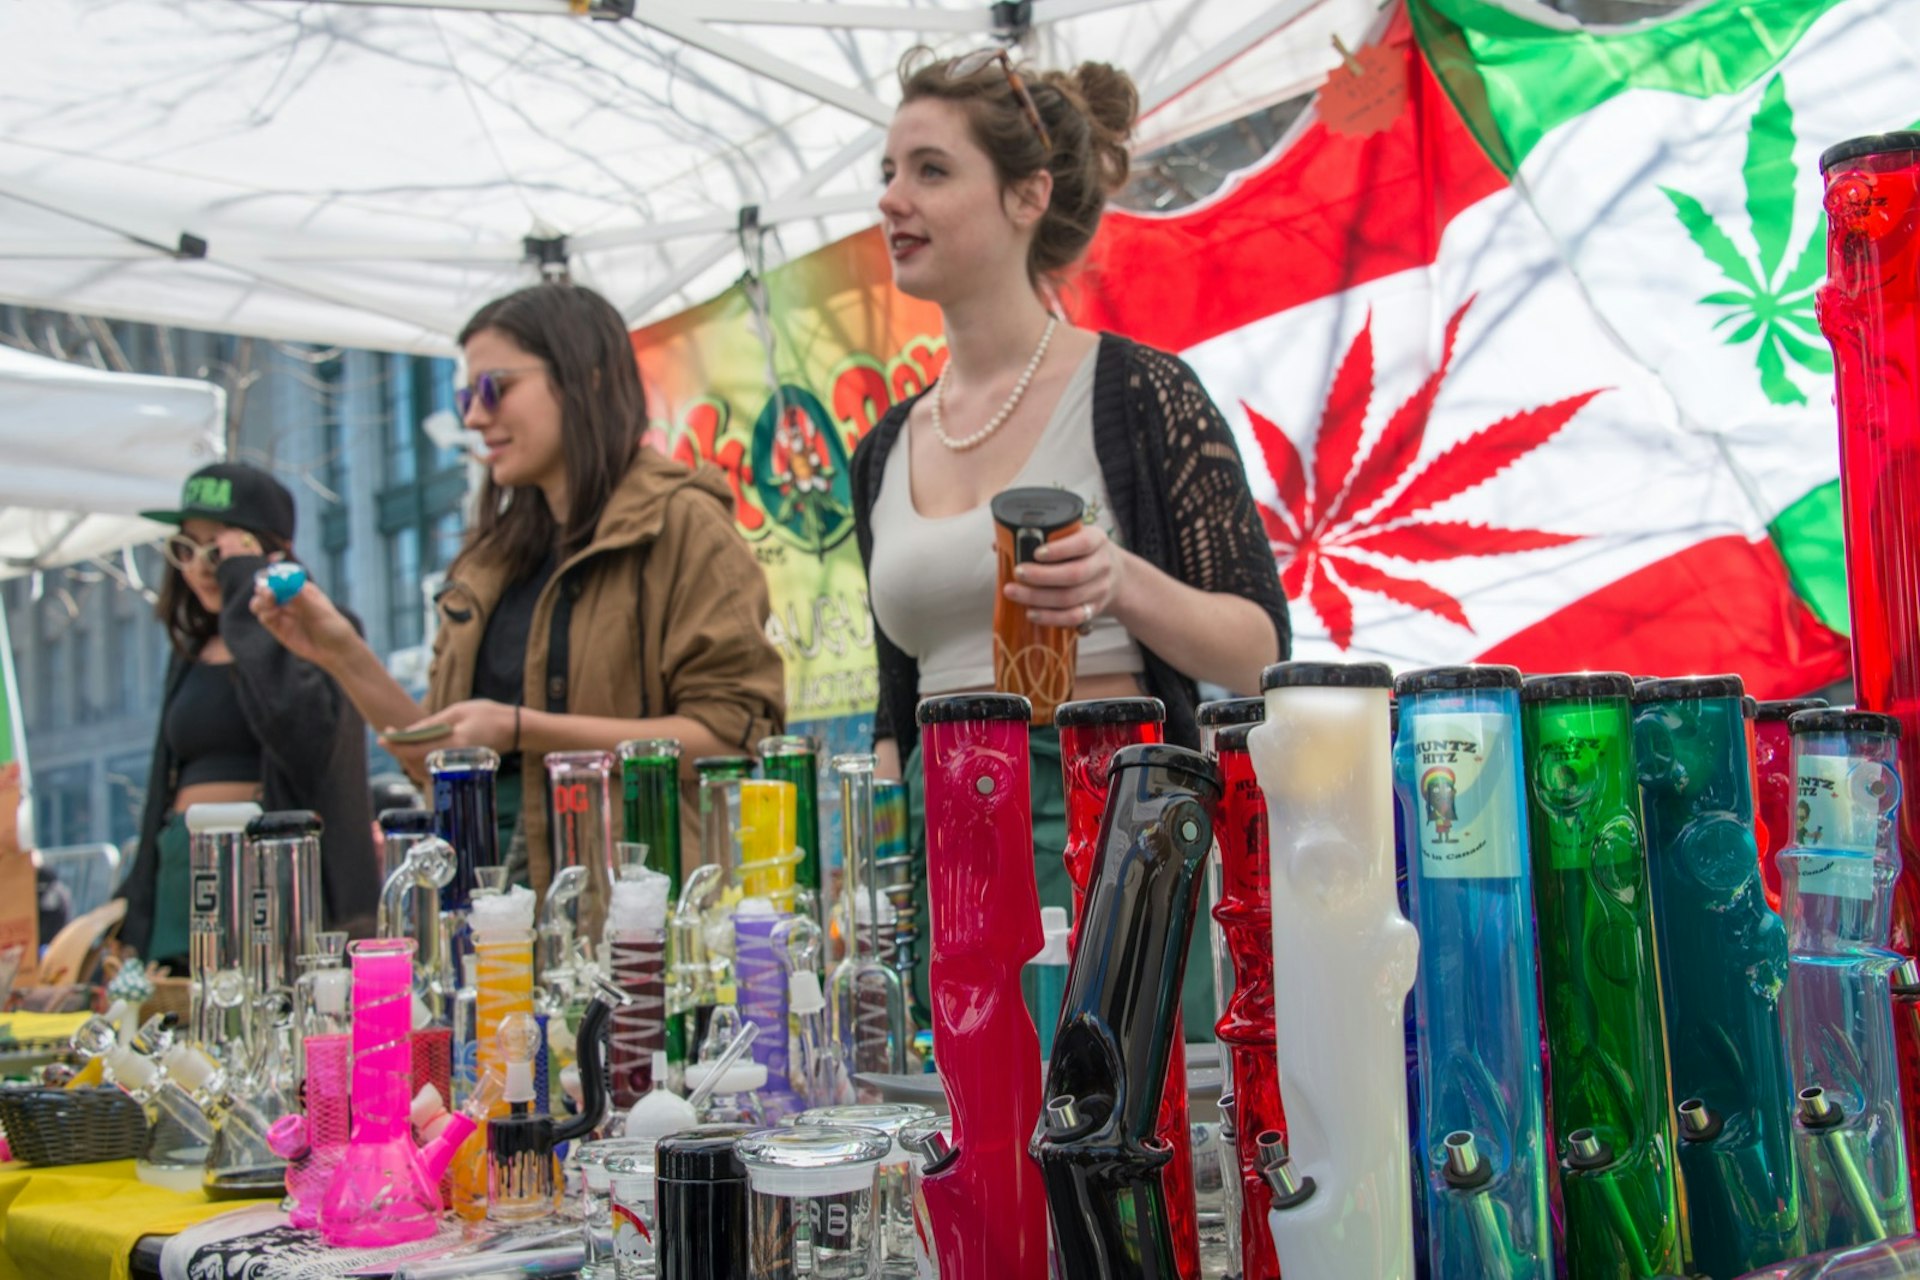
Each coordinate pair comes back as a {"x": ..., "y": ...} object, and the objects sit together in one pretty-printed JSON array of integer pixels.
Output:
[{"x": 995, "y": 179}]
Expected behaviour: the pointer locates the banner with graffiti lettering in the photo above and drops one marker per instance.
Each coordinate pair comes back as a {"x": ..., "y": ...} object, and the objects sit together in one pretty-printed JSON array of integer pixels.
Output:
[{"x": 782, "y": 424}]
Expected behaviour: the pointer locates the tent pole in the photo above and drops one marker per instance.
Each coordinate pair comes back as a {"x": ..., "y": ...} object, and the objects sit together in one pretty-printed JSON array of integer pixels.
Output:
[{"x": 1222, "y": 52}]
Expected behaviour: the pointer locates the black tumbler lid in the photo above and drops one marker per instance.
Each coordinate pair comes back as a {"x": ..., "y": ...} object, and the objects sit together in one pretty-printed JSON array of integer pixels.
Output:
[
  {"x": 1682, "y": 688},
  {"x": 1091, "y": 713},
  {"x": 407, "y": 822},
  {"x": 1232, "y": 738},
  {"x": 285, "y": 824},
  {"x": 703, "y": 1153},
  {"x": 1037, "y": 508},
  {"x": 704, "y": 763},
  {"x": 1873, "y": 144},
  {"x": 1842, "y": 720},
  {"x": 960, "y": 707},
  {"x": 1454, "y": 679},
  {"x": 1577, "y": 684},
  {"x": 1225, "y": 711},
  {"x": 1331, "y": 675},
  {"x": 1787, "y": 708}
]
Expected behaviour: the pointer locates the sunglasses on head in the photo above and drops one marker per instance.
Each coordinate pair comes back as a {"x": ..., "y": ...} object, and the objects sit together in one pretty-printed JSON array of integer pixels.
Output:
[
  {"x": 970, "y": 64},
  {"x": 487, "y": 389}
]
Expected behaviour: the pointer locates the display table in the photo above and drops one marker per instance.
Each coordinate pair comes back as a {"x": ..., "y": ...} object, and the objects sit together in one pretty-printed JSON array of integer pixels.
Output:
[{"x": 82, "y": 1220}]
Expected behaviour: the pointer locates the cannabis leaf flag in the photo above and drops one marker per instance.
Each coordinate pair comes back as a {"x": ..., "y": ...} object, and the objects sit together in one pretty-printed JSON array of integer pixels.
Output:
[{"x": 1516, "y": 335}]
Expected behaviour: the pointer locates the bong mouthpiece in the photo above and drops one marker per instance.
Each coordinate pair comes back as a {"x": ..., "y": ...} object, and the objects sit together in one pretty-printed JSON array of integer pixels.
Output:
[
  {"x": 1276, "y": 1166},
  {"x": 1817, "y": 1111},
  {"x": 1697, "y": 1124},
  {"x": 1465, "y": 1168}
]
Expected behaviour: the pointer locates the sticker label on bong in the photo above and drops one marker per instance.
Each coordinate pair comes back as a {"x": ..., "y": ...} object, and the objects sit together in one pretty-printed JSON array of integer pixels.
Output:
[
  {"x": 632, "y": 1234},
  {"x": 206, "y": 893},
  {"x": 1841, "y": 804},
  {"x": 1463, "y": 796}
]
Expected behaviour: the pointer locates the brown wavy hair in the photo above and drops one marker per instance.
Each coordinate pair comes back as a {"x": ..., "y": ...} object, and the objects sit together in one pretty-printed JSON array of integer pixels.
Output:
[
  {"x": 588, "y": 354},
  {"x": 1089, "y": 112}
]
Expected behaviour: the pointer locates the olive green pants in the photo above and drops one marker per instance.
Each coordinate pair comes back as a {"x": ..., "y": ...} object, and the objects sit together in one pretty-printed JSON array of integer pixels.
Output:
[{"x": 1049, "y": 799}]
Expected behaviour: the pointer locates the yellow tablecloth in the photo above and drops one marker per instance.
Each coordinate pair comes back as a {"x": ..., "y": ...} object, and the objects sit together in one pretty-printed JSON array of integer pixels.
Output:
[
  {"x": 81, "y": 1220},
  {"x": 42, "y": 1028}
]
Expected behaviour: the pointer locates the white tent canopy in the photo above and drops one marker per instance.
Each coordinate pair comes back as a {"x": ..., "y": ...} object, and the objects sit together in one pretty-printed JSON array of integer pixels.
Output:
[
  {"x": 86, "y": 450},
  {"x": 368, "y": 175}
]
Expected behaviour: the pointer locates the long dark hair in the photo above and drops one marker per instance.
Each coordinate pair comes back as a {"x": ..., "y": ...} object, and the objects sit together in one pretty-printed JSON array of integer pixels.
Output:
[
  {"x": 189, "y": 623},
  {"x": 581, "y": 339}
]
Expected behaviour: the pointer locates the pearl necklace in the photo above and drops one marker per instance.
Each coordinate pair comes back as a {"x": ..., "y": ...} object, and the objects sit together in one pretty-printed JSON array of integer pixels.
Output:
[{"x": 1006, "y": 410}]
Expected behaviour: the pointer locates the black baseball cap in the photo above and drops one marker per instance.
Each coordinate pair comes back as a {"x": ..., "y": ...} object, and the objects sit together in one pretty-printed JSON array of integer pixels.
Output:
[{"x": 236, "y": 494}]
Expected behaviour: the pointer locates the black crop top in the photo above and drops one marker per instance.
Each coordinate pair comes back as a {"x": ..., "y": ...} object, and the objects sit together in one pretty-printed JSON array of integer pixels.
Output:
[{"x": 205, "y": 730}]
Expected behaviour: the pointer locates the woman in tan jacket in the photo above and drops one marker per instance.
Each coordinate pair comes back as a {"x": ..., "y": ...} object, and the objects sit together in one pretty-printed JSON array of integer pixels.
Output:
[{"x": 603, "y": 592}]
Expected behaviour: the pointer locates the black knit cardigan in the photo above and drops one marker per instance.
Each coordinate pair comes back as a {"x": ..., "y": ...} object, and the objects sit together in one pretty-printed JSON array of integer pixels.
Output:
[{"x": 1179, "y": 499}]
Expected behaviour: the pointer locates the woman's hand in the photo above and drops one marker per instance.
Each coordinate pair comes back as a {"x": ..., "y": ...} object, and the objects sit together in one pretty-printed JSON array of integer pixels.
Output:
[
  {"x": 310, "y": 626},
  {"x": 476, "y": 722},
  {"x": 1075, "y": 580},
  {"x": 236, "y": 543}
]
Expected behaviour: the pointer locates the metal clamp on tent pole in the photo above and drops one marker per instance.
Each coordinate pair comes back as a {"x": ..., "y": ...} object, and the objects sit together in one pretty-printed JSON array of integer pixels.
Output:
[
  {"x": 549, "y": 253},
  {"x": 1012, "y": 19},
  {"x": 753, "y": 247}
]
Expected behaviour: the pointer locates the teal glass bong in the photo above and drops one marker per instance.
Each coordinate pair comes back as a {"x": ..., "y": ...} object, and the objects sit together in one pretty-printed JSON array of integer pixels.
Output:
[
  {"x": 1837, "y": 867},
  {"x": 1723, "y": 965},
  {"x": 1606, "y": 1051},
  {"x": 1482, "y": 1109}
]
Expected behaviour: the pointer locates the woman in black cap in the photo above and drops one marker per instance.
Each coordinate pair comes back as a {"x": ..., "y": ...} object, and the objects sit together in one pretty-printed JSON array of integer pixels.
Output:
[{"x": 242, "y": 719}]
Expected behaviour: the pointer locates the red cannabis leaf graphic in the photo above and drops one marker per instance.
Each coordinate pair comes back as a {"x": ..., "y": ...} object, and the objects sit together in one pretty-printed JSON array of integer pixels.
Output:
[{"x": 1344, "y": 507}]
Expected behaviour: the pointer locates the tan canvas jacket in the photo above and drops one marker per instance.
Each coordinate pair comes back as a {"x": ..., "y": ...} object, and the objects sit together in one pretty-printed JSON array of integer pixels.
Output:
[{"x": 668, "y": 617}]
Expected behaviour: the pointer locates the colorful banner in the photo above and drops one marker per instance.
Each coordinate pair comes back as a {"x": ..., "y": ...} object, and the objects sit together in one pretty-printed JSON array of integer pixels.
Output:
[{"x": 846, "y": 347}]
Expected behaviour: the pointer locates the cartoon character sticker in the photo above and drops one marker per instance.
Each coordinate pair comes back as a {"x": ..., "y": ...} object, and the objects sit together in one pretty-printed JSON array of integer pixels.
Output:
[
  {"x": 1463, "y": 766},
  {"x": 1844, "y": 806}
]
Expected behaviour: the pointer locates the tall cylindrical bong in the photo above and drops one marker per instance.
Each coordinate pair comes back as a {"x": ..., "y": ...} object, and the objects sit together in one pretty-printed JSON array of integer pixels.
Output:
[
  {"x": 1605, "y": 1045},
  {"x": 1090, "y": 732},
  {"x": 1869, "y": 309},
  {"x": 985, "y": 909},
  {"x": 1483, "y": 1109},
  {"x": 1723, "y": 969},
  {"x": 1837, "y": 877},
  {"x": 1098, "y": 1145},
  {"x": 1343, "y": 962},
  {"x": 216, "y": 920}
]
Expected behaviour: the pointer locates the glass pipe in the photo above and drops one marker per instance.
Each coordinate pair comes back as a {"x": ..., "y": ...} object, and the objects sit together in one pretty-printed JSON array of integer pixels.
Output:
[
  {"x": 1100, "y": 1148},
  {"x": 178, "y": 1133},
  {"x": 241, "y": 1105},
  {"x": 813, "y": 1209},
  {"x": 866, "y": 1000},
  {"x": 1417, "y": 1164},
  {"x": 1869, "y": 310},
  {"x": 465, "y": 816},
  {"x": 1457, "y": 770},
  {"x": 502, "y": 925},
  {"x": 313, "y": 1144},
  {"x": 1245, "y": 914},
  {"x": 1773, "y": 796},
  {"x": 795, "y": 758},
  {"x": 1343, "y": 962},
  {"x": 902, "y": 879},
  {"x": 281, "y": 882},
  {"x": 580, "y": 791},
  {"x": 1837, "y": 875},
  {"x": 764, "y": 842},
  {"x": 523, "y": 1177},
  {"x": 217, "y": 924},
  {"x": 1090, "y": 732},
  {"x": 759, "y": 951},
  {"x": 636, "y": 950},
  {"x": 410, "y": 908},
  {"x": 1605, "y": 1048},
  {"x": 721, "y": 828},
  {"x": 985, "y": 916},
  {"x": 400, "y": 830},
  {"x": 816, "y": 1072},
  {"x": 692, "y": 991},
  {"x": 701, "y": 1198},
  {"x": 893, "y": 1181},
  {"x": 559, "y": 938},
  {"x": 650, "y": 790},
  {"x": 382, "y": 1192},
  {"x": 1723, "y": 968}
]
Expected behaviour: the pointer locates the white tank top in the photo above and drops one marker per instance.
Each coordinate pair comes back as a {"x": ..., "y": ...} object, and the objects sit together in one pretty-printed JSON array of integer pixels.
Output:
[{"x": 932, "y": 580}]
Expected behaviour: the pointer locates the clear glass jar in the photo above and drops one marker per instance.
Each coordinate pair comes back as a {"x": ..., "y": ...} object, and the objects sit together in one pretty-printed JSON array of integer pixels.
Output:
[
  {"x": 813, "y": 1210},
  {"x": 631, "y": 1209},
  {"x": 594, "y": 1198},
  {"x": 894, "y": 1182}
]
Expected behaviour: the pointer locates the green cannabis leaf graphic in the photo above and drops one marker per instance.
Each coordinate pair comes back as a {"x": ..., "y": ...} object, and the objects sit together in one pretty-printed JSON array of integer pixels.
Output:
[{"x": 1768, "y": 301}]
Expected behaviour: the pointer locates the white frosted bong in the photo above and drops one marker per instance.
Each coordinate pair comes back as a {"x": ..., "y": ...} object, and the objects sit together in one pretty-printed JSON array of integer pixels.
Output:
[{"x": 1343, "y": 962}]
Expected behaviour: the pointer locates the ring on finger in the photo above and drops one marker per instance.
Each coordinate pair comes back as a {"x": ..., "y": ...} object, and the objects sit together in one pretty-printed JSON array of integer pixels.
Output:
[{"x": 1086, "y": 621}]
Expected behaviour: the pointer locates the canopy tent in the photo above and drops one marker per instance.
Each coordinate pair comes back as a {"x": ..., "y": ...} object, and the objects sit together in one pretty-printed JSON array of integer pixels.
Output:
[
  {"x": 87, "y": 450},
  {"x": 368, "y": 175}
]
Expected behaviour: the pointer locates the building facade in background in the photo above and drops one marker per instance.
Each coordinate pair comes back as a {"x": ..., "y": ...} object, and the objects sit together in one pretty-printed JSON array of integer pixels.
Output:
[{"x": 380, "y": 516}]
